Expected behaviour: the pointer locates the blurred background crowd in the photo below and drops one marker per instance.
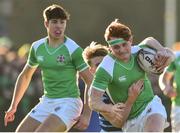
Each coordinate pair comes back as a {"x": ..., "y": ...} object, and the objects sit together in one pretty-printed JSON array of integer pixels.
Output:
[
  {"x": 11, "y": 64},
  {"x": 21, "y": 23}
]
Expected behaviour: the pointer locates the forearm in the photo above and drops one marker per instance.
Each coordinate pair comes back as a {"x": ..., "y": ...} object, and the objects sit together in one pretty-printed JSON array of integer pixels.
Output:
[
  {"x": 153, "y": 43},
  {"x": 87, "y": 78},
  {"x": 126, "y": 111},
  {"x": 21, "y": 86},
  {"x": 96, "y": 103},
  {"x": 99, "y": 106},
  {"x": 86, "y": 110}
]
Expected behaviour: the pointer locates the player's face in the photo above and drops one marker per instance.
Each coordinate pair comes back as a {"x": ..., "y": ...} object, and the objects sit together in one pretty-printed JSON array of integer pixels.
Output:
[
  {"x": 95, "y": 63},
  {"x": 56, "y": 28},
  {"x": 122, "y": 51}
]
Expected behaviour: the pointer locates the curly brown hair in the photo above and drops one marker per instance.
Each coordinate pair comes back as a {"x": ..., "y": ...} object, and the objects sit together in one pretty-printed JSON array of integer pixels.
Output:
[
  {"x": 117, "y": 29},
  {"x": 94, "y": 50}
]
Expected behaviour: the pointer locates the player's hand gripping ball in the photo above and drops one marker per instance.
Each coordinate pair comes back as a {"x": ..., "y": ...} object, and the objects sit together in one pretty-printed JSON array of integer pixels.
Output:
[{"x": 146, "y": 59}]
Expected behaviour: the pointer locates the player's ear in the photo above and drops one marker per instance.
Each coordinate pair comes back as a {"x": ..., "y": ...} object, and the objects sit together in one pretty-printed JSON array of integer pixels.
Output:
[
  {"x": 46, "y": 24},
  {"x": 131, "y": 39}
]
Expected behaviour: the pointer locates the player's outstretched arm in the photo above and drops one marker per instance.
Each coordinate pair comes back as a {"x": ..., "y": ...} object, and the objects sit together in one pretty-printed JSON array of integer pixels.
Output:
[
  {"x": 21, "y": 86},
  {"x": 96, "y": 104}
]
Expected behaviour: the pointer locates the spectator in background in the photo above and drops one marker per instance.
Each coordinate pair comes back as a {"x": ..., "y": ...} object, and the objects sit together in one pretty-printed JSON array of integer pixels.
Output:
[
  {"x": 169, "y": 82},
  {"x": 5, "y": 45},
  {"x": 11, "y": 63}
]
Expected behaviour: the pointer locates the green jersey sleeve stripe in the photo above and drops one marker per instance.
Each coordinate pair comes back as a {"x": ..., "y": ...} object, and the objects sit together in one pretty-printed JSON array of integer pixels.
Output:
[
  {"x": 98, "y": 89},
  {"x": 101, "y": 86},
  {"x": 32, "y": 66},
  {"x": 84, "y": 68}
]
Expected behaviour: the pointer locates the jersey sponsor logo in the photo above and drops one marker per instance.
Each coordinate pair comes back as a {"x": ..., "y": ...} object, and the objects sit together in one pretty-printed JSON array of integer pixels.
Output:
[
  {"x": 40, "y": 58},
  {"x": 122, "y": 78}
]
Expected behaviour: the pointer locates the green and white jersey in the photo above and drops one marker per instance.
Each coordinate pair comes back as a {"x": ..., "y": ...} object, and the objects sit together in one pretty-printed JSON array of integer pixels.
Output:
[
  {"x": 58, "y": 66},
  {"x": 115, "y": 77},
  {"x": 175, "y": 67}
]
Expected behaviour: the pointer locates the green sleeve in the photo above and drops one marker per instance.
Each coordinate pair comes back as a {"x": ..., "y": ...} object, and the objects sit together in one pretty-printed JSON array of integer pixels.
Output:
[
  {"x": 32, "y": 60},
  {"x": 78, "y": 60},
  {"x": 101, "y": 79}
]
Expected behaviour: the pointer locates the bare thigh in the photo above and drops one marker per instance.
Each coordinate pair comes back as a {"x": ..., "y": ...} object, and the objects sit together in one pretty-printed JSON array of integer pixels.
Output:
[
  {"x": 28, "y": 124},
  {"x": 154, "y": 123},
  {"x": 52, "y": 124}
]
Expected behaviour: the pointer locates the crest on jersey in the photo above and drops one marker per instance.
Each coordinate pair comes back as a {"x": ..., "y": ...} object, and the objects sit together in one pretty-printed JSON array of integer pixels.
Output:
[{"x": 61, "y": 58}]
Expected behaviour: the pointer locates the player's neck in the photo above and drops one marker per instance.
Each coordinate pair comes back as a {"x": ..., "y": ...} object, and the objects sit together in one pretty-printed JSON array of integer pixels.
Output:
[{"x": 53, "y": 42}]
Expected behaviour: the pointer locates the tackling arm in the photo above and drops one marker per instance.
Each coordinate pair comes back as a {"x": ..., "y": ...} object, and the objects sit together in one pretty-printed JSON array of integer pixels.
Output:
[{"x": 84, "y": 119}]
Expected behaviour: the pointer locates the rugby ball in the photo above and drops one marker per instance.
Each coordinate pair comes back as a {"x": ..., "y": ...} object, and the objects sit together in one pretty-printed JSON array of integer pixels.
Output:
[{"x": 146, "y": 58}]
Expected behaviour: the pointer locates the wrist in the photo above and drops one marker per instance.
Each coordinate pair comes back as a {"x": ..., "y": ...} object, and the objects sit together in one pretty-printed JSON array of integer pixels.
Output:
[
  {"x": 107, "y": 108},
  {"x": 14, "y": 106},
  {"x": 129, "y": 102}
]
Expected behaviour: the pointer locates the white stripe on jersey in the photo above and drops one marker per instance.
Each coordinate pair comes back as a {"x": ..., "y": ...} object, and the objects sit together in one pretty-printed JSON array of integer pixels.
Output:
[
  {"x": 108, "y": 64},
  {"x": 71, "y": 45},
  {"x": 135, "y": 49},
  {"x": 36, "y": 44}
]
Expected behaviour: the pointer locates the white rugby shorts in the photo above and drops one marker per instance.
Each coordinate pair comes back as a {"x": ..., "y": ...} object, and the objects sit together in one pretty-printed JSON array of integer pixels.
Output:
[
  {"x": 137, "y": 124},
  {"x": 67, "y": 109}
]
